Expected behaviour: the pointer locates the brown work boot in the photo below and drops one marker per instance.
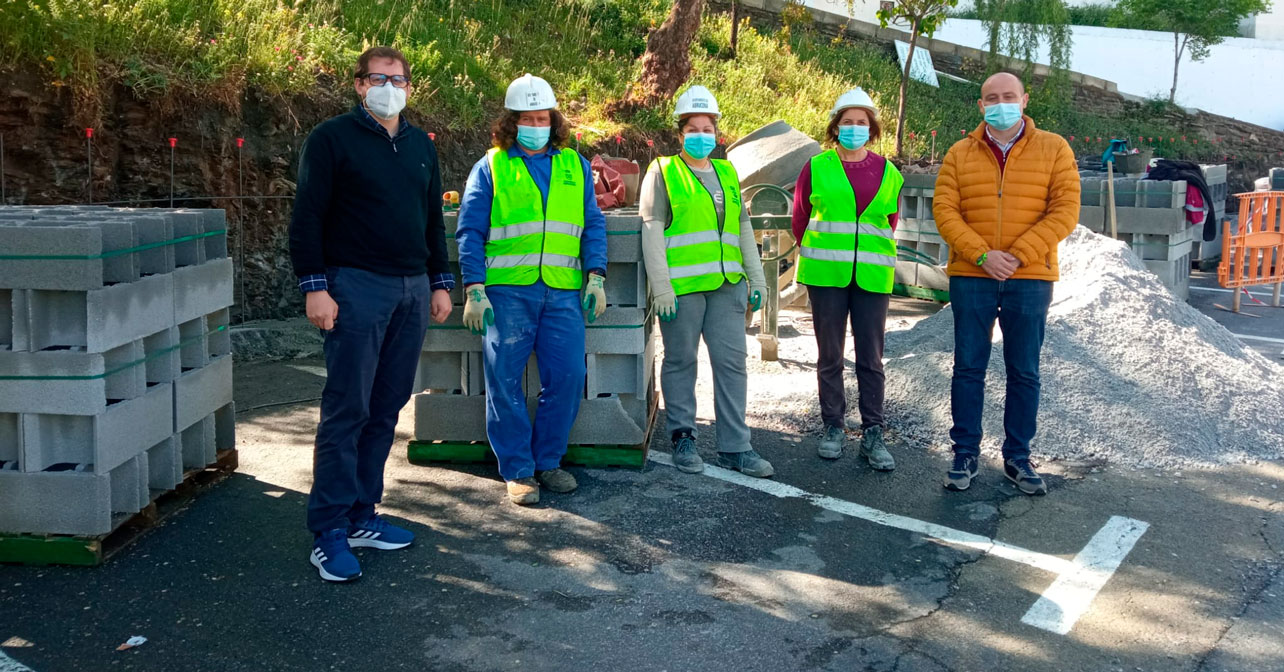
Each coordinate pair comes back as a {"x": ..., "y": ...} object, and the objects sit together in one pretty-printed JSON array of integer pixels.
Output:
[
  {"x": 523, "y": 491},
  {"x": 557, "y": 480}
]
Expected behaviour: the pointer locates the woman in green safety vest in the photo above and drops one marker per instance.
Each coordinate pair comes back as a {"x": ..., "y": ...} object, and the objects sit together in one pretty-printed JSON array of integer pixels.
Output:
[
  {"x": 845, "y": 211},
  {"x": 699, "y": 249}
]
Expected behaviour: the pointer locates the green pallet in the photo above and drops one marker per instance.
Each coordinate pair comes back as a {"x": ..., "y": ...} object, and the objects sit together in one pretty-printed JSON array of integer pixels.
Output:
[
  {"x": 915, "y": 292},
  {"x": 39, "y": 550},
  {"x": 473, "y": 452}
]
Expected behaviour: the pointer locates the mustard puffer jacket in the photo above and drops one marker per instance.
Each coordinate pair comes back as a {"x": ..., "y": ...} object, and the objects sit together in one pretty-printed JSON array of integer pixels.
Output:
[{"x": 1025, "y": 211}]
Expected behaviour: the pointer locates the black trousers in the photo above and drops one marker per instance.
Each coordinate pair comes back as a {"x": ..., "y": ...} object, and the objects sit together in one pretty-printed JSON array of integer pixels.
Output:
[{"x": 831, "y": 310}]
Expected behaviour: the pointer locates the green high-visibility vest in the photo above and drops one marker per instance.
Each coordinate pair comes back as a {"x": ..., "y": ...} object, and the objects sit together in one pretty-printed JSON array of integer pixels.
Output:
[
  {"x": 837, "y": 239},
  {"x": 527, "y": 241},
  {"x": 701, "y": 254}
]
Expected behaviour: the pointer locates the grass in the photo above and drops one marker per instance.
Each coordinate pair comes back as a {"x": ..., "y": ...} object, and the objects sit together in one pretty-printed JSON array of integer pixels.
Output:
[{"x": 463, "y": 53}]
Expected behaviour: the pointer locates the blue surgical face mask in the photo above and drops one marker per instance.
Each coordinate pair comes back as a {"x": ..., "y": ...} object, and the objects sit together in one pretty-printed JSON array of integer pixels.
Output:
[
  {"x": 699, "y": 145},
  {"x": 533, "y": 138},
  {"x": 1003, "y": 116},
  {"x": 853, "y": 137}
]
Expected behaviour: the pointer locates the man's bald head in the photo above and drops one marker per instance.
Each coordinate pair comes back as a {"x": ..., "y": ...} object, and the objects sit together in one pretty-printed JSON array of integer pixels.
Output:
[{"x": 1003, "y": 87}]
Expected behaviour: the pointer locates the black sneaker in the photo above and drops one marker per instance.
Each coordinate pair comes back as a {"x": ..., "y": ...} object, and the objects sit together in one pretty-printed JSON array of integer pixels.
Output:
[
  {"x": 685, "y": 457},
  {"x": 961, "y": 473},
  {"x": 1022, "y": 473}
]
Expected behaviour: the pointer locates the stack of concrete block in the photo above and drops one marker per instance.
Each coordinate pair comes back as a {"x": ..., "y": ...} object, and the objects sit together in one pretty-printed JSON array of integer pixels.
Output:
[
  {"x": 620, "y": 358},
  {"x": 115, "y": 360},
  {"x": 1151, "y": 219},
  {"x": 1215, "y": 177},
  {"x": 1276, "y": 177},
  {"x": 916, "y": 229}
]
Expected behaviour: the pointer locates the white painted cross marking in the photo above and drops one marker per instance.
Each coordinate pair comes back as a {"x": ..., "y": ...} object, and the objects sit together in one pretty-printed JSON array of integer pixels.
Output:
[{"x": 1057, "y": 610}]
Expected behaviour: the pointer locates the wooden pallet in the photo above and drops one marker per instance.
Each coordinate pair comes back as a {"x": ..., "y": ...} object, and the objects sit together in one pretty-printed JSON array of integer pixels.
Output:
[
  {"x": 584, "y": 455},
  {"x": 57, "y": 549}
]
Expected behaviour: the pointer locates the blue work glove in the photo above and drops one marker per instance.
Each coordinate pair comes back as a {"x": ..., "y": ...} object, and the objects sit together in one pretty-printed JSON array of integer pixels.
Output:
[
  {"x": 478, "y": 313},
  {"x": 666, "y": 306},
  {"x": 595, "y": 296}
]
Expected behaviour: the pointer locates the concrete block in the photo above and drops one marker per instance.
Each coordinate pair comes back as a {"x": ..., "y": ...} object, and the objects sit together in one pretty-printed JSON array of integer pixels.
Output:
[
  {"x": 6, "y": 319},
  {"x": 218, "y": 332},
  {"x": 623, "y": 247},
  {"x": 71, "y": 383},
  {"x": 450, "y": 417},
  {"x": 214, "y": 221},
  {"x": 95, "y": 321},
  {"x": 193, "y": 342},
  {"x": 619, "y": 331},
  {"x": 618, "y": 420},
  {"x": 626, "y": 284},
  {"x": 67, "y": 502},
  {"x": 201, "y": 290},
  {"x": 129, "y": 486},
  {"x": 919, "y": 181},
  {"x": 200, "y": 392},
  {"x": 1090, "y": 191},
  {"x": 225, "y": 428},
  {"x": 188, "y": 224},
  {"x": 619, "y": 374},
  {"x": 10, "y": 439},
  {"x": 165, "y": 465},
  {"x": 160, "y": 351},
  {"x": 104, "y": 440},
  {"x": 157, "y": 231},
  {"x": 1093, "y": 217},
  {"x": 620, "y": 221},
  {"x": 1161, "y": 194},
  {"x": 1277, "y": 179},
  {"x": 614, "y": 420},
  {"x": 452, "y": 336},
  {"x": 198, "y": 444},
  {"x": 1173, "y": 274},
  {"x": 1164, "y": 221},
  {"x": 1154, "y": 247},
  {"x": 68, "y": 274},
  {"x": 442, "y": 371}
]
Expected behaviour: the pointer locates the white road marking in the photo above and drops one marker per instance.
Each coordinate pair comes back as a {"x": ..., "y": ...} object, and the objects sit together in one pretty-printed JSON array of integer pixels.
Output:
[
  {"x": 1078, "y": 581},
  {"x": 1266, "y": 339},
  {"x": 308, "y": 368},
  {"x": 1223, "y": 290},
  {"x": 8, "y": 664},
  {"x": 1069, "y": 596}
]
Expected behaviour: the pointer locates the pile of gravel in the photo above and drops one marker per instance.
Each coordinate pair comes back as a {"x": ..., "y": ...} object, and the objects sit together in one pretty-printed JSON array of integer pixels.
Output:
[{"x": 1131, "y": 374}]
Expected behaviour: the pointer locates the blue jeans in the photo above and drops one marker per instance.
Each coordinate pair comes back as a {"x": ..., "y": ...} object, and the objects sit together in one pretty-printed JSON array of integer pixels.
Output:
[
  {"x": 1021, "y": 307},
  {"x": 370, "y": 360},
  {"x": 550, "y": 323}
]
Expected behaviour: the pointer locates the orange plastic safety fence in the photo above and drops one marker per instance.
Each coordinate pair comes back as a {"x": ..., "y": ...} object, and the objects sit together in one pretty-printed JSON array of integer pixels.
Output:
[{"x": 1254, "y": 255}]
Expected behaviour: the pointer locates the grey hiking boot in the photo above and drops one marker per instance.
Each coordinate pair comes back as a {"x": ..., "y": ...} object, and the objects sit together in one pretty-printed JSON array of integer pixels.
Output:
[
  {"x": 875, "y": 450},
  {"x": 831, "y": 446},
  {"x": 685, "y": 457},
  {"x": 1027, "y": 480},
  {"x": 557, "y": 480},
  {"x": 748, "y": 463},
  {"x": 523, "y": 491}
]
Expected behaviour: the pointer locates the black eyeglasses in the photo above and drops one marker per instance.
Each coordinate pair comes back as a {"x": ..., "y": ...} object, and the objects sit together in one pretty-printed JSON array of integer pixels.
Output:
[{"x": 379, "y": 79}]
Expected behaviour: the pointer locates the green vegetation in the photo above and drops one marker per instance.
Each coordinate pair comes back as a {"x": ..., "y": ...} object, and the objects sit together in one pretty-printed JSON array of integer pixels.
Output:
[{"x": 463, "y": 53}]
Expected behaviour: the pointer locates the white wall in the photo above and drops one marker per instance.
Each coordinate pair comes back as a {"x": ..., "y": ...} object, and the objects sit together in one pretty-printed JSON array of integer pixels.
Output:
[
  {"x": 1267, "y": 26},
  {"x": 1241, "y": 78},
  {"x": 862, "y": 10}
]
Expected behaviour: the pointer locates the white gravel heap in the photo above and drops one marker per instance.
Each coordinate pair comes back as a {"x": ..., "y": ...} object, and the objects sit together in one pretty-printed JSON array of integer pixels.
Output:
[{"x": 1130, "y": 373}]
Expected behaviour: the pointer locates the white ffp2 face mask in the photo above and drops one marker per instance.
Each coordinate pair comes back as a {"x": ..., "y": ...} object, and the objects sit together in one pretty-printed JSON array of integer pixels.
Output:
[{"x": 386, "y": 101}]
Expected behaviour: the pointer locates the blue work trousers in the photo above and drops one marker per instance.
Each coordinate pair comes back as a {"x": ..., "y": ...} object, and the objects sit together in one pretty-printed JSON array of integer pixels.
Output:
[{"x": 549, "y": 322}]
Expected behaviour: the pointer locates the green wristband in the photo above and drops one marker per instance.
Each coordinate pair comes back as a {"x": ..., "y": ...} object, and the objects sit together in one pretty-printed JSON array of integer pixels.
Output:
[{"x": 981, "y": 261}]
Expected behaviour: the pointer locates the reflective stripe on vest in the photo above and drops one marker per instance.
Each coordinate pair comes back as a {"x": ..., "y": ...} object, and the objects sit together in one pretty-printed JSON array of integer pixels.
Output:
[
  {"x": 840, "y": 244},
  {"x": 527, "y": 241},
  {"x": 700, "y": 253}
]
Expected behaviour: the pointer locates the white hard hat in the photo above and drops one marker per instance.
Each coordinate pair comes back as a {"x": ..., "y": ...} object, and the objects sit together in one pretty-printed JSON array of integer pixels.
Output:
[
  {"x": 854, "y": 98},
  {"x": 696, "y": 100},
  {"x": 529, "y": 92}
]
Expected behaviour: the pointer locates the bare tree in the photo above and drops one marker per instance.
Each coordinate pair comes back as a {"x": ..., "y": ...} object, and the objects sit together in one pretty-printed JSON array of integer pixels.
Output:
[{"x": 923, "y": 18}]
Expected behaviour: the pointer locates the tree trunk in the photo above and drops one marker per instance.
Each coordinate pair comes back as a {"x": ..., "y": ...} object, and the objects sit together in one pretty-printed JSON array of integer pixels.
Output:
[
  {"x": 667, "y": 61},
  {"x": 900, "y": 105},
  {"x": 1172, "y": 93},
  {"x": 735, "y": 26}
]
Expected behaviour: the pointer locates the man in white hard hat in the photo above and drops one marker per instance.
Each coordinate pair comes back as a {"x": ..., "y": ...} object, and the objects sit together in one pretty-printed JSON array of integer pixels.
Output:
[
  {"x": 704, "y": 269},
  {"x": 529, "y": 228}
]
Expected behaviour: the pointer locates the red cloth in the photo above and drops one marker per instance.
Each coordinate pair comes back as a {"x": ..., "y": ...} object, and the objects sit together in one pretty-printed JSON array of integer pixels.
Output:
[
  {"x": 865, "y": 177},
  {"x": 608, "y": 185},
  {"x": 1194, "y": 205}
]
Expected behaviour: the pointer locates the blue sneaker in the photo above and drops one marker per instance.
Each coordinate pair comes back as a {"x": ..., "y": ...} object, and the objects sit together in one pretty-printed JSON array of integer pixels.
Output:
[
  {"x": 375, "y": 532},
  {"x": 332, "y": 557},
  {"x": 1022, "y": 473},
  {"x": 961, "y": 473}
]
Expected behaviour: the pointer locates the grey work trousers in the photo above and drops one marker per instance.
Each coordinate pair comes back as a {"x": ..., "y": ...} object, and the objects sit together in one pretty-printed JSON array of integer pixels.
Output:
[{"x": 718, "y": 316}]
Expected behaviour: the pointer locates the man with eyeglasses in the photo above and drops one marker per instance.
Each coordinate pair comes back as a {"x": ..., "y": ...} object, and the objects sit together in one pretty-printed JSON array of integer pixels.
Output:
[{"x": 369, "y": 247}]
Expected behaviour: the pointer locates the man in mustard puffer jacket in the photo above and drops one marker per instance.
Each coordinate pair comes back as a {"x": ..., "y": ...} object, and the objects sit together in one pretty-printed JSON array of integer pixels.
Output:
[{"x": 1007, "y": 194}]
